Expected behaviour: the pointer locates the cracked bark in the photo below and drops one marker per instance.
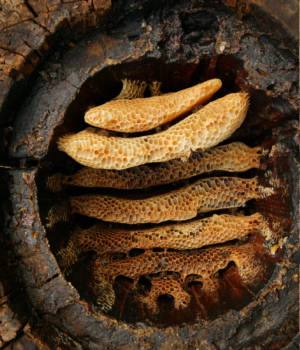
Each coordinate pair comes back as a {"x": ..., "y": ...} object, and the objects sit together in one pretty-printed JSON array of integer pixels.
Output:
[{"x": 24, "y": 30}]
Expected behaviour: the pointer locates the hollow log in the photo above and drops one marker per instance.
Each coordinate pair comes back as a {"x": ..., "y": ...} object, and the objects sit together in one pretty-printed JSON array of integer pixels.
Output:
[{"x": 58, "y": 58}]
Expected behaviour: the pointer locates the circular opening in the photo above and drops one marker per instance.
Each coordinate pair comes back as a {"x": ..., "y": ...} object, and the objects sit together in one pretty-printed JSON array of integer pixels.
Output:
[{"x": 231, "y": 293}]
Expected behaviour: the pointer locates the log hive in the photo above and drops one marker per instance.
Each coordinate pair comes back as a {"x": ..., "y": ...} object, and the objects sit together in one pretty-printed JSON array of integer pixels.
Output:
[{"x": 61, "y": 58}]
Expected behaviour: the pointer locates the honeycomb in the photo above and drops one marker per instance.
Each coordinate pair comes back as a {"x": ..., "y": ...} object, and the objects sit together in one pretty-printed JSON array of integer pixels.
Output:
[
  {"x": 162, "y": 286},
  {"x": 131, "y": 89},
  {"x": 233, "y": 157},
  {"x": 189, "y": 235},
  {"x": 141, "y": 114},
  {"x": 171, "y": 259},
  {"x": 206, "y": 128},
  {"x": 205, "y": 263},
  {"x": 183, "y": 204}
]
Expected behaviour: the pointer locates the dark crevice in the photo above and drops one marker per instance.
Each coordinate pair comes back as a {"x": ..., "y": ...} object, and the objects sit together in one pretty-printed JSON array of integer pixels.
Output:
[
  {"x": 15, "y": 24},
  {"x": 35, "y": 21},
  {"x": 30, "y": 8},
  {"x": 34, "y": 51},
  {"x": 20, "y": 333},
  {"x": 51, "y": 278},
  {"x": 8, "y": 49},
  {"x": 93, "y": 6}
]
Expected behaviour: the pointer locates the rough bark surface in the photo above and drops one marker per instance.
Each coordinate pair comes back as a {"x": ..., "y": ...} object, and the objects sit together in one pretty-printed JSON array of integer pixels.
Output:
[{"x": 48, "y": 50}]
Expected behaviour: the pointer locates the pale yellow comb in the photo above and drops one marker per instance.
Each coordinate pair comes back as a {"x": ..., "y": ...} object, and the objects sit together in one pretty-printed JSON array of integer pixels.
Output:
[
  {"x": 143, "y": 114},
  {"x": 233, "y": 157},
  {"x": 204, "y": 129}
]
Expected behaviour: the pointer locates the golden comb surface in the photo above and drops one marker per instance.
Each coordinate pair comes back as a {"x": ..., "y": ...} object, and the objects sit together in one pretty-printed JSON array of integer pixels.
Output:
[
  {"x": 162, "y": 286},
  {"x": 142, "y": 114},
  {"x": 201, "y": 130},
  {"x": 130, "y": 89},
  {"x": 234, "y": 157},
  {"x": 190, "y": 235},
  {"x": 182, "y": 204},
  {"x": 118, "y": 162},
  {"x": 204, "y": 264}
]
